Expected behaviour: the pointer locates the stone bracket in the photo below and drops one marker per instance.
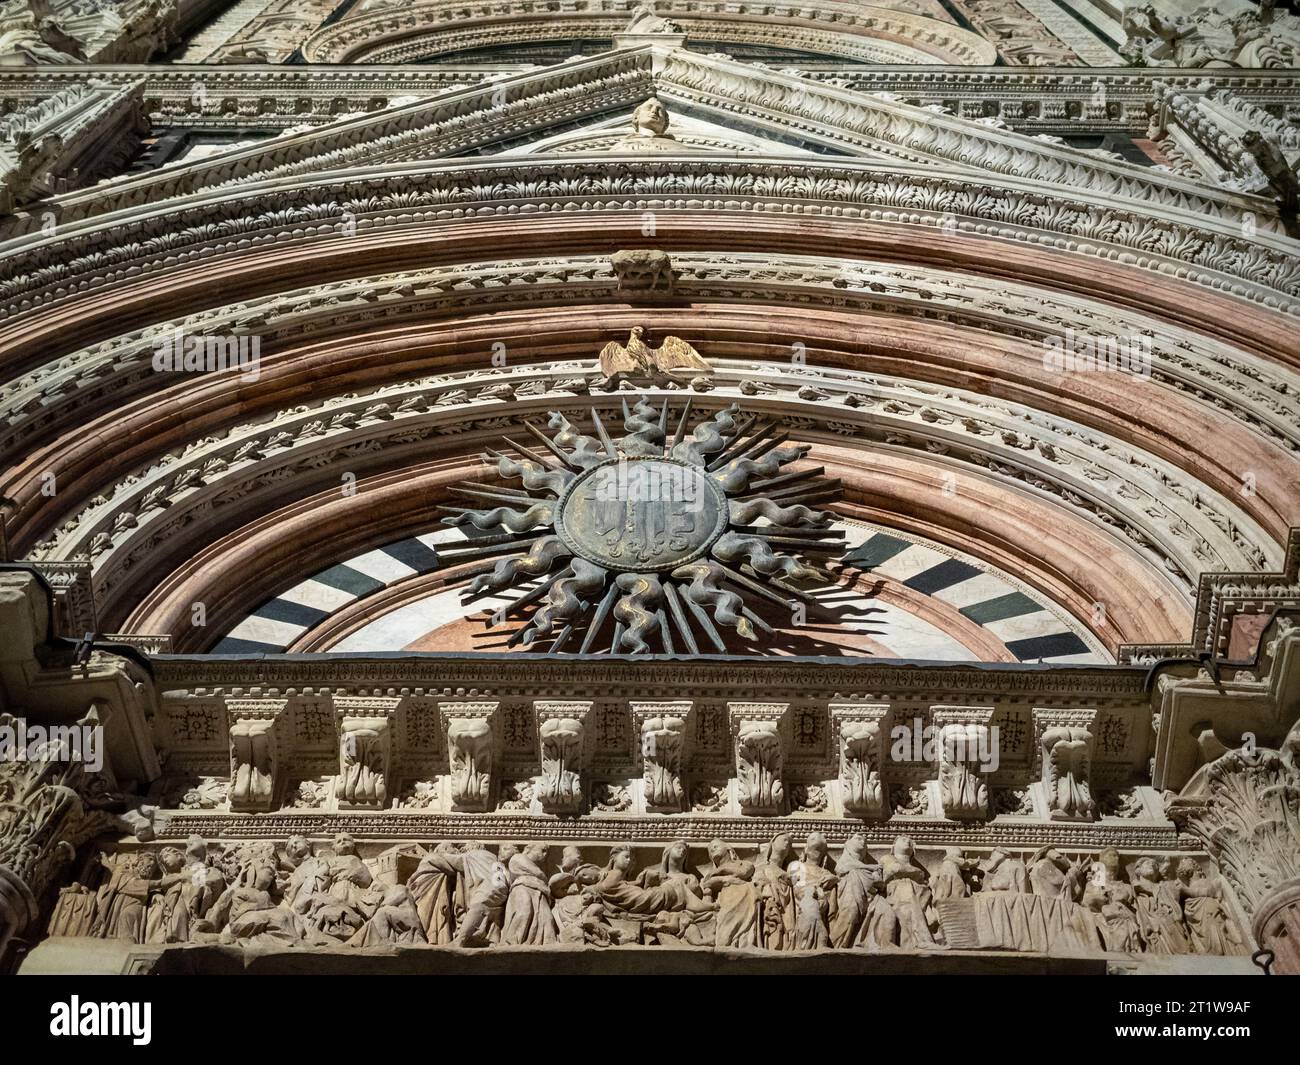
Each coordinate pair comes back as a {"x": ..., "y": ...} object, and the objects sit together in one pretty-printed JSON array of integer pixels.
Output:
[
  {"x": 860, "y": 734},
  {"x": 562, "y": 748},
  {"x": 762, "y": 738},
  {"x": 259, "y": 749},
  {"x": 964, "y": 740},
  {"x": 366, "y": 728},
  {"x": 1063, "y": 750},
  {"x": 664, "y": 732},
  {"x": 473, "y": 733}
]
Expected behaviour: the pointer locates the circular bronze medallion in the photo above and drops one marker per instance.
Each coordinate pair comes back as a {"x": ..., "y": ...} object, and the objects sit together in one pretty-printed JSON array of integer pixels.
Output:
[{"x": 642, "y": 515}]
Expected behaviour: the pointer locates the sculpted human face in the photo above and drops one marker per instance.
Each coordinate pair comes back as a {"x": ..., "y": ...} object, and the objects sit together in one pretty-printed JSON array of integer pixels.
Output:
[
  {"x": 623, "y": 860},
  {"x": 781, "y": 848},
  {"x": 717, "y": 851},
  {"x": 344, "y": 845},
  {"x": 677, "y": 855},
  {"x": 571, "y": 859},
  {"x": 536, "y": 853}
]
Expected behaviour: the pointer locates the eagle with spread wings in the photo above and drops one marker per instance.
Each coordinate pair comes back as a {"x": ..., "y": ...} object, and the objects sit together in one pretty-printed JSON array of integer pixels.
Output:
[{"x": 637, "y": 359}]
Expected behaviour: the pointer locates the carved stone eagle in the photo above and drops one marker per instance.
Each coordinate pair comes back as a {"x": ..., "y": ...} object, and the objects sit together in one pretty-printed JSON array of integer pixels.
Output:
[{"x": 637, "y": 359}]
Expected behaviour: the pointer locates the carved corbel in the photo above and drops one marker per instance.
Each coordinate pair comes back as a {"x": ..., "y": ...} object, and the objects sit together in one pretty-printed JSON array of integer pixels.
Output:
[
  {"x": 365, "y": 750},
  {"x": 860, "y": 731},
  {"x": 473, "y": 743},
  {"x": 1064, "y": 750},
  {"x": 256, "y": 757},
  {"x": 561, "y": 732},
  {"x": 966, "y": 755},
  {"x": 662, "y": 729},
  {"x": 761, "y": 733}
]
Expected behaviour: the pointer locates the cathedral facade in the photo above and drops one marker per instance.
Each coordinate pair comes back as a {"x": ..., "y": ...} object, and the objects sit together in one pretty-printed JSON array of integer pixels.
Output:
[{"x": 524, "y": 486}]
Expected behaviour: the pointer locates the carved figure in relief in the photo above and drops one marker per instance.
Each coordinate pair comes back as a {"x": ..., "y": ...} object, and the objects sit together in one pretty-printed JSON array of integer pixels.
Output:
[
  {"x": 393, "y": 917},
  {"x": 528, "y": 919},
  {"x": 813, "y": 885},
  {"x": 1210, "y": 929},
  {"x": 863, "y": 918},
  {"x": 1159, "y": 910},
  {"x": 951, "y": 881},
  {"x": 123, "y": 902},
  {"x": 908, "y": 890},
  {"x": 730, "y": 882},
  {"x": 482, "y": 888},
  {"x": 665, "y": 890},
  {"x": 578, "y": 910},
  {"x": 1113, "y": 900},
  {"x": 250, "y": 911},
  {"x": 430, "y": 886},
  {"x": 776, "y": 892},
  {"x": 167, "y": 920}
]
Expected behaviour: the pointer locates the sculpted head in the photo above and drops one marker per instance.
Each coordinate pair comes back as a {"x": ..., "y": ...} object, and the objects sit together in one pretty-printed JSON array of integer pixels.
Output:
[
  {"x": 675, "y": 856},
  {"x": 570, "y": 859},
  {"x": 145, "y": 864},
  {"x": 856, "y": 845},
  {"x": 536, "y": 853},
  {"x": 297, "y": 848},
  {"x": 903, "y": 847},
  {"x": 172, "y": 859},
  {"x": 1147, "y": 869},
  {"x": 620, "y": 857},
  {"x": 1188, "y": 870},
  {"x": 1109, "y": 859},
  {"x": 344, "y": 844},
  {"x": 782, "y": 848},
  {"x": 196, "y": 849},
  {"x": 651, "y": 118},
  {"x": 815, "y": 848},
  {"x": 505, "y": 852},
  {"x": 719, "y": 852}
]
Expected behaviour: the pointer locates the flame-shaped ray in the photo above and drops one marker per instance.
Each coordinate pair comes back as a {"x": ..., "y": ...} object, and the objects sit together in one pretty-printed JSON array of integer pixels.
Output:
[
  {"x": 636, "y": 610},
  {"x": 745, "y": 511},
  {"x": 540, "y": 514},
  {"x": 736, "y": 474},
  {"x": 533, "y": 474},
  {"x": 704, "y": 591},
  {"x": 758, "y": 553},
  {"x": 537, "y": 560},
  {"x": 584, "y": 451},
  {"x": 569, "y": 597},
  {"x": 708, "y": 438},
  {"x": 645, "y": 436}
]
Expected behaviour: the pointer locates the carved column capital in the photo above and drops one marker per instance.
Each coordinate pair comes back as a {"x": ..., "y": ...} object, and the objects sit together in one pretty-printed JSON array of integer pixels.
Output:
[{"x": 859, "y": 732}]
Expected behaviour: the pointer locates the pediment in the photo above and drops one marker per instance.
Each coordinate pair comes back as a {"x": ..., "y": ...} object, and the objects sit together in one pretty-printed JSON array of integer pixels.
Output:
[{"x": 716, "y": 104}]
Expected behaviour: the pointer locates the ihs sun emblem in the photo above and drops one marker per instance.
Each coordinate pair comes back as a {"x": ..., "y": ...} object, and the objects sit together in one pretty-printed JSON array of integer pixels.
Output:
[{"x": 652, "y": 542}]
